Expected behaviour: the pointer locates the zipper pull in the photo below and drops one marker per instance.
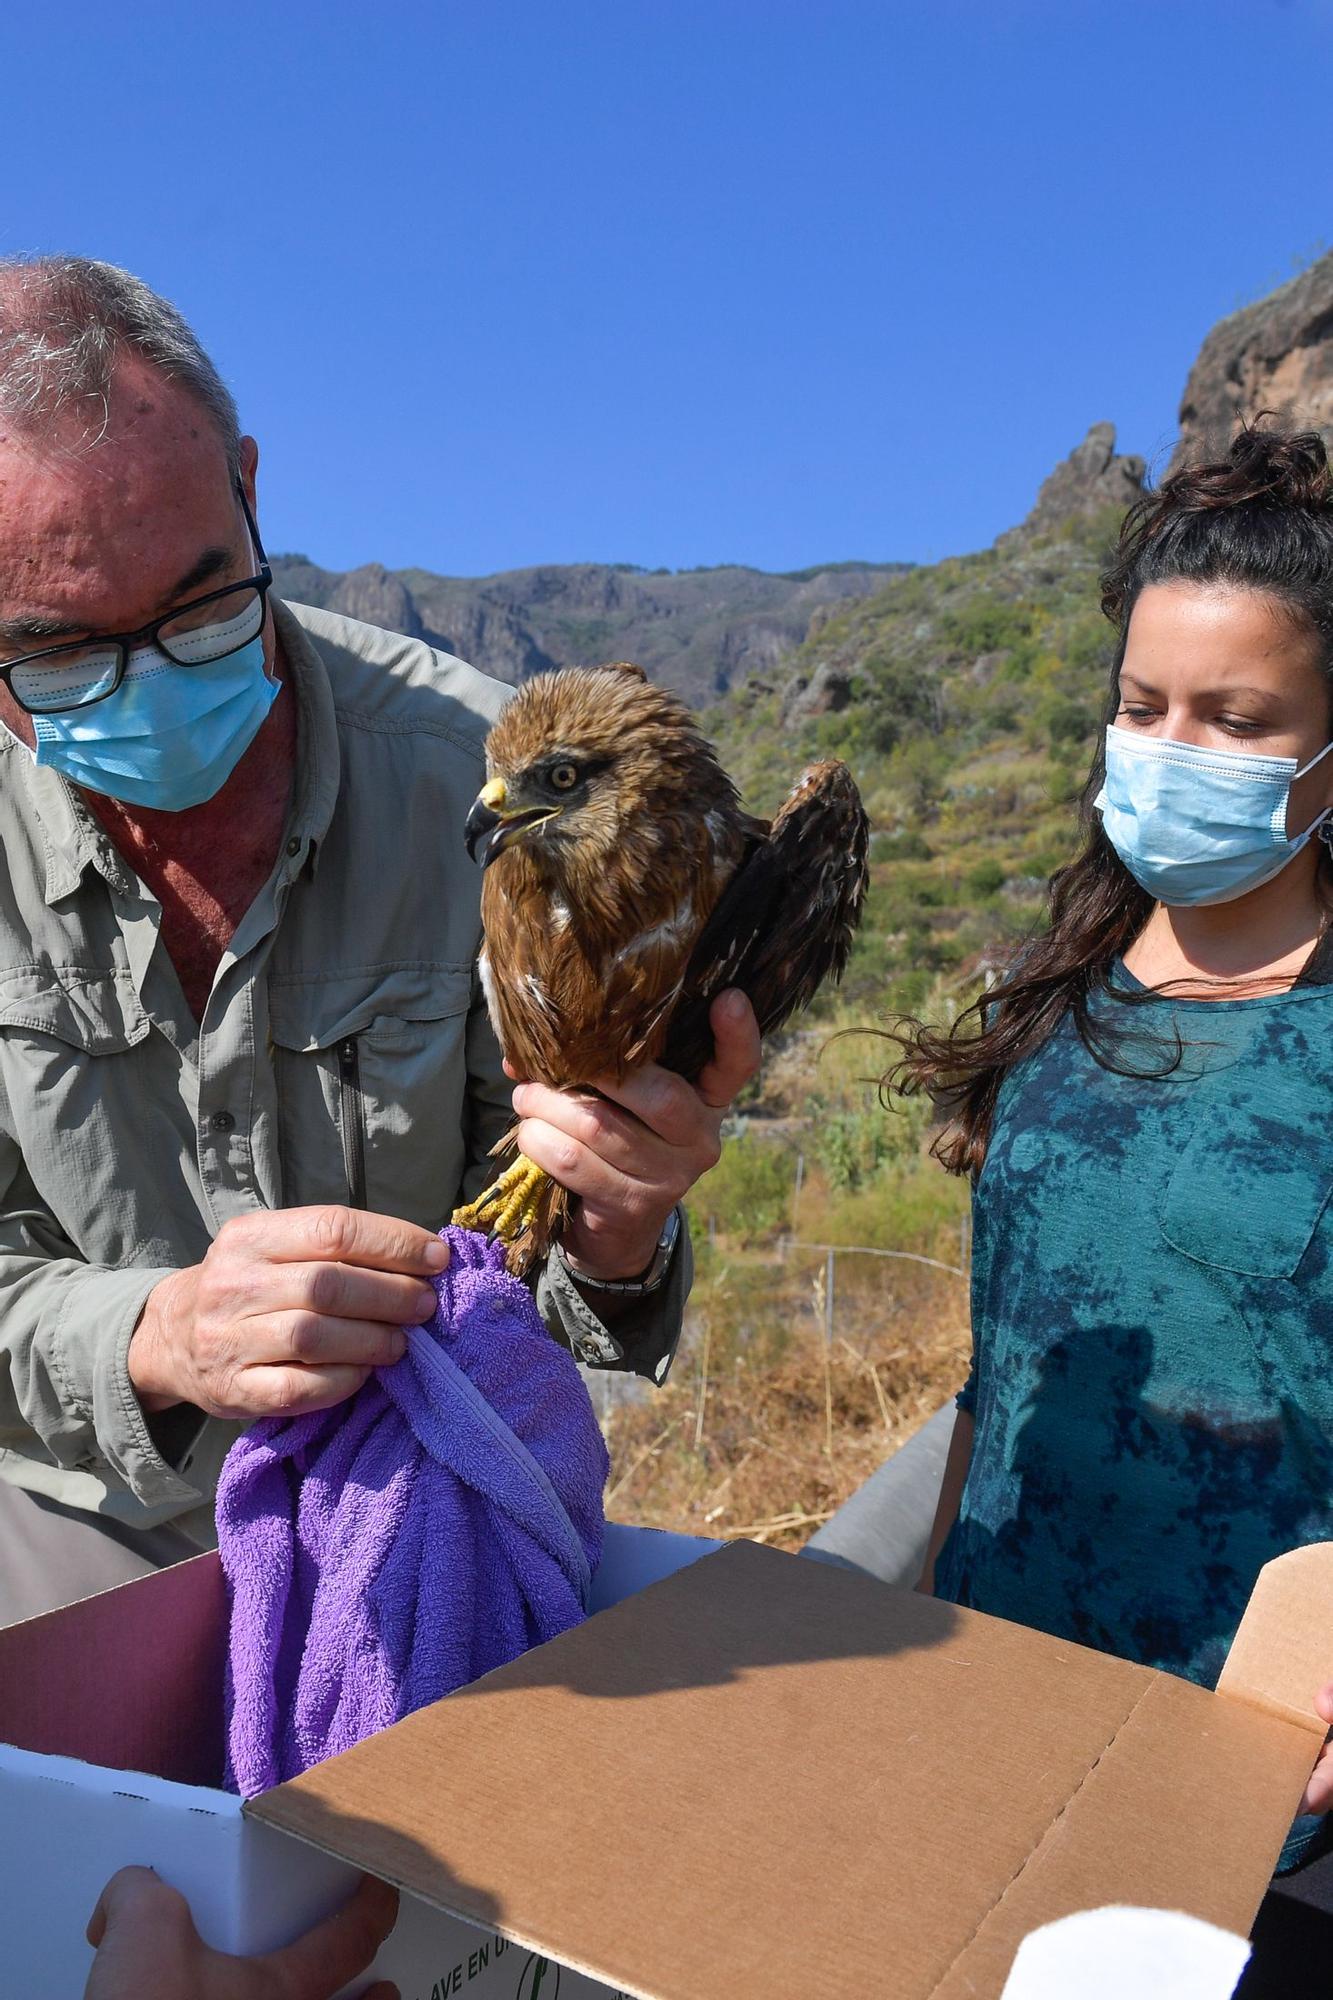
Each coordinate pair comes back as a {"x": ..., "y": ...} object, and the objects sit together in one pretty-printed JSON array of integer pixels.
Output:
[{"x": 352, "y": 1111}]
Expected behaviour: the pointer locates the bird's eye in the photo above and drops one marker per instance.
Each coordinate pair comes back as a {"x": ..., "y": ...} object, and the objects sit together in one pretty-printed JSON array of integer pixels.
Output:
[{"x": 564, "y": 776}]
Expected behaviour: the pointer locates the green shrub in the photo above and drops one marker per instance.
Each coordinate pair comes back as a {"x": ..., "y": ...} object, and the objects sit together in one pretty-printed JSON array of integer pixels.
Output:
[
  {"x": 987, "y": 625},
  {"x": 852, "y": 1146},
  {"x": 900, "y": 699},
  {"x": 919, "y": 771},
  {"x": 749, "y": 1190},
  {"x": 1066, "y": 722},
  {"x": 986, "y": 877},
  {"x": 913, "y": 1207},
  {"x": 855, "y": 1145},
  {"x": 906, "y": 846}
]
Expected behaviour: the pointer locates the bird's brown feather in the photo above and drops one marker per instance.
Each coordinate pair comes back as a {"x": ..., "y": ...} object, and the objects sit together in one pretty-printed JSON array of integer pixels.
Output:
[
  {"x": 786, "y": 920},
  {"x": 611, "y": 927}
]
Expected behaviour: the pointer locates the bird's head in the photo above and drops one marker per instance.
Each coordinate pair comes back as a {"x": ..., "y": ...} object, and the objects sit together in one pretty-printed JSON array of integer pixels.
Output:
[{"x": 586, "y": 764}]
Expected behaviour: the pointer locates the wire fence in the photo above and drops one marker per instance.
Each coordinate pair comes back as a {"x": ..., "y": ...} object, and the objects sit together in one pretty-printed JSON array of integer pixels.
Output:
[
  {"x": 828, "y": 1281},
  {"x": 609, "y": 1389},
  {"x": 832, "y": 1251}
]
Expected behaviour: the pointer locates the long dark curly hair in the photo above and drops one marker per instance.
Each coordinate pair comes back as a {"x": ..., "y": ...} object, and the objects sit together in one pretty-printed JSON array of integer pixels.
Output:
[{"x": 1260, "y": 519}]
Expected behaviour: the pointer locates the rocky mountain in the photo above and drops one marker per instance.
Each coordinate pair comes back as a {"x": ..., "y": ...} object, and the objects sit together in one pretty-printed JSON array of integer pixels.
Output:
[
  {"x": 1274, "y": 355},
  {"x": 697, "y": 630}
]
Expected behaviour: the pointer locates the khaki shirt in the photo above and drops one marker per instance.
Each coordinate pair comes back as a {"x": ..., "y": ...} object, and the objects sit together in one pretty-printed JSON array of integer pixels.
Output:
[{"x": 129, "y": 1132}]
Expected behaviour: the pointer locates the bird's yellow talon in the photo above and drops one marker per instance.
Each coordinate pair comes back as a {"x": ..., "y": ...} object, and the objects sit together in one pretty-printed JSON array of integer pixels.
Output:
[{"x": 508, "y": 1206}]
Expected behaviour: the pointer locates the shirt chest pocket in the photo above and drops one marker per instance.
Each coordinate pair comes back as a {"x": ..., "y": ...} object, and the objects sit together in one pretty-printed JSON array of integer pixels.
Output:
[
  {"x": 71, "y": 1080},
  {"x": 371, "y": 1078},
  {"x": 1253, "y": 1180}
]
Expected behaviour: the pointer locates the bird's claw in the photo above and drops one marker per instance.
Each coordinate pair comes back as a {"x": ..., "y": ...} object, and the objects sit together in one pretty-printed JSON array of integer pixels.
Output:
[{"x": 508, "y": 1206}]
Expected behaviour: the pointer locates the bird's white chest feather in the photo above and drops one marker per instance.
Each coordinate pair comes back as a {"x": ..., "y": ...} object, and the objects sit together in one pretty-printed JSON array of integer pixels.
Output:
[
  {"x": 488, "y": 987},
  {"x": 671, "y": 935}
]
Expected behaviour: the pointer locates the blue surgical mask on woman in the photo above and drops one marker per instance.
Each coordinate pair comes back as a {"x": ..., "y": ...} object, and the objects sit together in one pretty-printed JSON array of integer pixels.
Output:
[
  {"x": 1199, "y": 826},
  {"x": 170, "y": 736}
]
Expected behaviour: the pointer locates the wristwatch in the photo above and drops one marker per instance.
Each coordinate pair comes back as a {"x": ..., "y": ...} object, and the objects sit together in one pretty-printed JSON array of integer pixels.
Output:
[{"x": 649, "y": 1280}]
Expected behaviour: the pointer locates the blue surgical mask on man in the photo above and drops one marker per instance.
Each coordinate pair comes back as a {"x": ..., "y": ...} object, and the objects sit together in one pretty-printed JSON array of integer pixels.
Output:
[
  {"x": 170, "y": 736},
  {"x": 1197, "y": 826}
]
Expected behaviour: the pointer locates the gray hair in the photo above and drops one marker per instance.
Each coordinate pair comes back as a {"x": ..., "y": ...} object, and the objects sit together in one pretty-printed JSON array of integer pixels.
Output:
[{"x": 64, "y": 323}]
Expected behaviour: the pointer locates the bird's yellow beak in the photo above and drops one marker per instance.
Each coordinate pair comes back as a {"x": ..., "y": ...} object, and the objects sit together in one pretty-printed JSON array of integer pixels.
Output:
[{"x": 492, "y": 825}]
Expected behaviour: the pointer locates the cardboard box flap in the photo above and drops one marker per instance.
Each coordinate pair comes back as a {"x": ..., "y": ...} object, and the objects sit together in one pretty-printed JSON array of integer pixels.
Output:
[
  {"x": 764, "y": 1771},
  {"x": 1144, "y": 1828},
  {"x": 1283, "y": 1653}
]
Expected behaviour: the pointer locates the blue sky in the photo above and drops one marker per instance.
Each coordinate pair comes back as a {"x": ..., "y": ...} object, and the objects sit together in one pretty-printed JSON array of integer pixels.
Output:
[{"x": 677, "y": 281}]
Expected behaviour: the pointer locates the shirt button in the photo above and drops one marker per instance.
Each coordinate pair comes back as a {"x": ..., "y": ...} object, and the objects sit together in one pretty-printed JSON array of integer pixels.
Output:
[
  {"x": 294, "y": 845},
  {"x": 222, "y": 1121}
]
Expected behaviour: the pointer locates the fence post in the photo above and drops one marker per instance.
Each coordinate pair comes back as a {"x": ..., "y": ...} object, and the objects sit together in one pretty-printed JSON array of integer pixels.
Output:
[{"x": 828, "y": 1356}]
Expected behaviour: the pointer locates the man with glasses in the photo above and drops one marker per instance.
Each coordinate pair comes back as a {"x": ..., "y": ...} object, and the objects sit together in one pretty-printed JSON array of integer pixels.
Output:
[{"x": 245, "y": 1070}]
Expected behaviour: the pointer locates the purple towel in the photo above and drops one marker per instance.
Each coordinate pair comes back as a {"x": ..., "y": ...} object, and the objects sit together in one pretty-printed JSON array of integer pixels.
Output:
[{"x": 384, "y": 1552}]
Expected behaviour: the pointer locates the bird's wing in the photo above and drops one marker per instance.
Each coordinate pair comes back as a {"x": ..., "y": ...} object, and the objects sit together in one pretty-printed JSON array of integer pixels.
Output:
[{"x": 786, "y": 919}]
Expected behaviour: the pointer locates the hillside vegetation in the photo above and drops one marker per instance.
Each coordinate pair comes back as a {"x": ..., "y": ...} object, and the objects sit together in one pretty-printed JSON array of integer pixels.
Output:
[{"x": 969, "y": 699}]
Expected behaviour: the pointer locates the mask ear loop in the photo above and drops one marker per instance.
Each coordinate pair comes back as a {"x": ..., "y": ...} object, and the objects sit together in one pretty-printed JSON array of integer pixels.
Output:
[
  {"x": 1320, "y": 828},
  {"x": 1313, "y": 761}
]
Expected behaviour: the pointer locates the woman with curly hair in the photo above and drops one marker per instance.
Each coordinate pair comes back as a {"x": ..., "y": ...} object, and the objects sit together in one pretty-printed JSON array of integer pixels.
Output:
[{"x": 1145, "y": 1107}]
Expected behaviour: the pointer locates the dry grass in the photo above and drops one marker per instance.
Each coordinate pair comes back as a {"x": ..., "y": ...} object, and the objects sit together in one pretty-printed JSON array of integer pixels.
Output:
[{"x": 765, "y": 1427}]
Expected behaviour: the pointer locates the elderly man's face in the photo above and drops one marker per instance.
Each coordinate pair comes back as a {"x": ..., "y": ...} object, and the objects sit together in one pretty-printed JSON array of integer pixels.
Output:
[{"x": 107, "y": 537}]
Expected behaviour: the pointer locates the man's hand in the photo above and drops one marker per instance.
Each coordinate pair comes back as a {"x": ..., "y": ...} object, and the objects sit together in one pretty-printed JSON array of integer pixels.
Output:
[
  {"x": 1319, "y": 1792},
  {"x": 631, "y": 1154},
  {"x": 290, "y": 1310},
  {"x": 148, "y": 1949}
]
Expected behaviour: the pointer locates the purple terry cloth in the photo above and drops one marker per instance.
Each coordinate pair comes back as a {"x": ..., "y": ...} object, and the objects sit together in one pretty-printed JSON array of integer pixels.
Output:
[{"x": 383, "y": 1552}]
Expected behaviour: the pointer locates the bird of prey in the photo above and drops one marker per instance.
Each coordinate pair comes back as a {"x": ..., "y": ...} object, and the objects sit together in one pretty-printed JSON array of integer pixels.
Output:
[{"x": 625, "y": 887}]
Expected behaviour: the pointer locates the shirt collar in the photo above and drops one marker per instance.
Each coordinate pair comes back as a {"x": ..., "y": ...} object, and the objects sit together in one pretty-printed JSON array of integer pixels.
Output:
[
  {"x": 318, "y": 757},
  {"x": 73, "y": 842}
]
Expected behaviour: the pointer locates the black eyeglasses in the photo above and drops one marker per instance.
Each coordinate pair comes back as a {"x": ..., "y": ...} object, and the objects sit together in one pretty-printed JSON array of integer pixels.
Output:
[{"x": 87, "y": 670}]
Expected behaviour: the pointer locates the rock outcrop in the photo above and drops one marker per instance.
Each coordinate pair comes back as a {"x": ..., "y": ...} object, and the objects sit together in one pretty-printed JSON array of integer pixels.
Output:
[
  {"x": 1093, "y": 478},
  {"x": 377, "y": 597},
  {"x": 1274, "y": 355},
  {"x": 827, "y": 690}
]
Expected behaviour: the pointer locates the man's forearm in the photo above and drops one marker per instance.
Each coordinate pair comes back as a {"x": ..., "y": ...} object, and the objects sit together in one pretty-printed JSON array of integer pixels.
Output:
[{"x": 66, "y": 1398}]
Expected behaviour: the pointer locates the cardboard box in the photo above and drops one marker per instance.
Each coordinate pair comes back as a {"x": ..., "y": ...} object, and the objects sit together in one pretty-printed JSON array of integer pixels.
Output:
[
  {"x": 111, "y": 1720},
  {"x": 758, "y": 1776}
]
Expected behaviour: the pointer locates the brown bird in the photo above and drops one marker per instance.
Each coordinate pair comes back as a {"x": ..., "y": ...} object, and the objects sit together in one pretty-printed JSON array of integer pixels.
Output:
[{"x": 625, "y": 888}]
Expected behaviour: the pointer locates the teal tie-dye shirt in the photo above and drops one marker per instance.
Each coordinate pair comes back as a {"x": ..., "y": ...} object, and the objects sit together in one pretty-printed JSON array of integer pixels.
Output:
[{"x": 1153, "y": 1329}]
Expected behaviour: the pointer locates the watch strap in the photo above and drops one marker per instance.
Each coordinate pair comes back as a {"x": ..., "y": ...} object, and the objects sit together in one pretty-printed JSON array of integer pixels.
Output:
[{"x": 649, "y": 1280}]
